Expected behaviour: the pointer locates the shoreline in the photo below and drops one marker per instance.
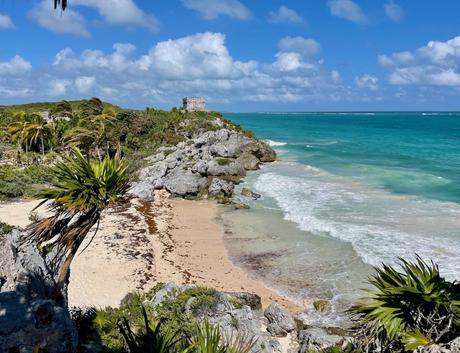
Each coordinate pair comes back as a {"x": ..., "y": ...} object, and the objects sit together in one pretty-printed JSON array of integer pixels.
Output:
[{"x": 147, "y": 242}]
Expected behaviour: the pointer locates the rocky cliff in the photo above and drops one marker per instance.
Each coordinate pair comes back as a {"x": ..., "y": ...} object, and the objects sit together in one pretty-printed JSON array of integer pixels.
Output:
[{"x": 207, "y": 163}]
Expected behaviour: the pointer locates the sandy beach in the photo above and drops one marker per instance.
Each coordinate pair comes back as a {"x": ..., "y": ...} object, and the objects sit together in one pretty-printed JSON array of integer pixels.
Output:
[{"x": 143, "y": 243}]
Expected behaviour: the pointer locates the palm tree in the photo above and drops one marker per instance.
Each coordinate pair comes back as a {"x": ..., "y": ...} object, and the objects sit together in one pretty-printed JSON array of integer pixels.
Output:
[
  {"x": 85, "y": 188},
  {"x": 38, "y": 131},
  {"x": 92, "y": 137},
  {"x": 18, "y": 132}
]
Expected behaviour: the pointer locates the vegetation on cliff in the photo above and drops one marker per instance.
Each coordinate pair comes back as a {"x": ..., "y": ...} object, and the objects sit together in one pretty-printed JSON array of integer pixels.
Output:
[{"x": 35, "y": 136}]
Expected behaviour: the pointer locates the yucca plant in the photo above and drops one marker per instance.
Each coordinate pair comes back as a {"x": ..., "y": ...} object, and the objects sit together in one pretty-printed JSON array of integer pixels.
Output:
[
  {"x": 408, "y": 308},
  {"x": 84, "y": 189}
]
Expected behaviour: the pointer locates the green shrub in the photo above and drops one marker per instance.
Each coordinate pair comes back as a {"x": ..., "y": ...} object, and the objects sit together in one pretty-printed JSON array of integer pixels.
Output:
[
  {"x": 5, "y": 228},
  {"x": 22, "y": 182},
  {"x": 408, "y": 308}
]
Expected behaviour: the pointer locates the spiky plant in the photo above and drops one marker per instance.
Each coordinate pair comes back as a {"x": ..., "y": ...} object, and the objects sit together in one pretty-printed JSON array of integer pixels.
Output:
[
  {"x": 150, "y": 341},
  {"x": 410, "y": 308},
  {"x": 85, "y": 188}
]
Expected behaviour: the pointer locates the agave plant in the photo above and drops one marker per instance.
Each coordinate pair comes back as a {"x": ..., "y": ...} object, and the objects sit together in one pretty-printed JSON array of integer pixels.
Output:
[
  {"x": 85, "y": 188},
  {"x": 411, "y": 307}
]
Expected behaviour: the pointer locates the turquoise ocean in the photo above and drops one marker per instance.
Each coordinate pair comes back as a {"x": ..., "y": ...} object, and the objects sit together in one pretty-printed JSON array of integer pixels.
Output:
[{"x": 349, "y": 191}]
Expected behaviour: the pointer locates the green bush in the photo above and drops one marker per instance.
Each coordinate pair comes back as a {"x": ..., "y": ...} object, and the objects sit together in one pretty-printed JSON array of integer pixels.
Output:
[
  {"x": 23, "y": 182},
  {"x": 408, "y": 308},
  {"x": 5, "y": 228}
]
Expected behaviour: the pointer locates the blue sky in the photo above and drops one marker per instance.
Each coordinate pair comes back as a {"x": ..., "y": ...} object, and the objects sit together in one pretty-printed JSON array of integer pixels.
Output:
[{"x": 242, "y": 55}]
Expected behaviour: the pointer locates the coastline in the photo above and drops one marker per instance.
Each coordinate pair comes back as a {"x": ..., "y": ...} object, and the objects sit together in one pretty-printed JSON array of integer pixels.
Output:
[{"x": 144, "y": 243}]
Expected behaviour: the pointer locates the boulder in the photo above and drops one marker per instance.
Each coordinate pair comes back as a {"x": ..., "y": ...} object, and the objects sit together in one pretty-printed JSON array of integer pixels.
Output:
[
  {"x": 200, "y": 167},
  {"x": 225, "y": 167},
  {"x": 150, "y": 178},
  {"x": 280, "y": 320},
  {"x": 184, "y": 182},
  {"x": 241, "y": 206},
  {"x": 249, "y": 161},
  {"x": 261, "y": 150},
  {"x": 316, "y": 338},
  {"x": 221, "y": 187},
  {"x": 455, "y": 345},
  {"x": 249, "y": 299},
  {"x": 169, "y": 291},
  {"x": 31, "y": 313},
  {"x": 26, "y": 324},
  {"x": 322, "y": 305},
  {"x": 249, "y": 193}
]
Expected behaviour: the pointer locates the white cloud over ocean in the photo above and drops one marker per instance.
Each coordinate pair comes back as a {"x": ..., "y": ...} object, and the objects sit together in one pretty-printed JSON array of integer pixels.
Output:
[
  {"x": 437, "y": 63},
  {"x": 195, "y": 64}
]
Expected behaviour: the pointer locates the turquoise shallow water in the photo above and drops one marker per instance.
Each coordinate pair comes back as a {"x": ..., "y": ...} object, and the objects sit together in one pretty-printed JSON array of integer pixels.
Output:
[{"x": 350, "y": 190}]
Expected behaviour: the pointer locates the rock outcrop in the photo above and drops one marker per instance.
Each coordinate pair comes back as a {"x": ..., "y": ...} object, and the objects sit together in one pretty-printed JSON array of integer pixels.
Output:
[
  {"x": 280, "y": 320},
  {"x": 30, "y": 315},
  {"x": 207, "y": 163},
  {"x": 235, "y": 313},
  {"x": 316, "y": 338}
]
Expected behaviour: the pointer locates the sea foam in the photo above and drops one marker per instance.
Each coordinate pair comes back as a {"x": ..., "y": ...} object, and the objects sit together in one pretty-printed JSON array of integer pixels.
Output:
[
  {"x": 275, "y": 143},
  {"x": 380, "y": 226}
]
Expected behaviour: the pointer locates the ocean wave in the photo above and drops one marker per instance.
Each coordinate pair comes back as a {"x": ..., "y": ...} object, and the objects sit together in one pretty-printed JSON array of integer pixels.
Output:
[
  {"x": 379, "y": 225},
  {"x": 275, "y": 143}
]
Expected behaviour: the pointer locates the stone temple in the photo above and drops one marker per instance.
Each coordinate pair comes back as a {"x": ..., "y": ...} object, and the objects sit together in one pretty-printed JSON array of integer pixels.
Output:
[{"x": 194, "y": 104}]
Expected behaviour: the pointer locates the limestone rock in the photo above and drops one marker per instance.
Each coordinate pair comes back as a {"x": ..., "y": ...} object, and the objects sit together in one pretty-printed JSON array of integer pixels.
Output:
[
  {"x": 219, "y": 187},
  {"x": 280, "y": 320},
  {"x": 29, "y": 314},
  {"x": 316, "y": 338},
  {"x": 322, "y": 305},
  {"x": 249, "y": 193},
  {"x": 249, "y": 299},
  {"x": 169, "y": 291},
  {"x": 223, "y": 166},
  {"x": 248, "y": 161},
  {"x": 454, "y": 345},
  {"x": 184, "y": 182},
  {"x": 241, "y": 206}
]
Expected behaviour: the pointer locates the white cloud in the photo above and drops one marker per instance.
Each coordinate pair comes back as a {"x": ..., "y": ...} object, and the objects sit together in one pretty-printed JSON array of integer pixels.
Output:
[
  {"x": 5, "y": 22},
  {"x": 58, "y": 87},
  {"x": 437, "y": 63},
  {"x": 348, "y": 10},
  {"x": 367, "y": 82},
  {"x": 305, "y": 46},
  {"x": 211, "y": 9},
  {"x": 84, "y": 84},
  {"x": 15, "y": 66},
  {"x": 121, "y": 12},
  {"x": 197, "y": 64},
  {"x": 68, "y": 22},
  {"x": 288, "y": 61},
  {"x": 200, "y": 55},
  {"x": 393, "y": 11},
  {"x": 114, "y": 12},
  {"x": 285, "y": 15}
]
